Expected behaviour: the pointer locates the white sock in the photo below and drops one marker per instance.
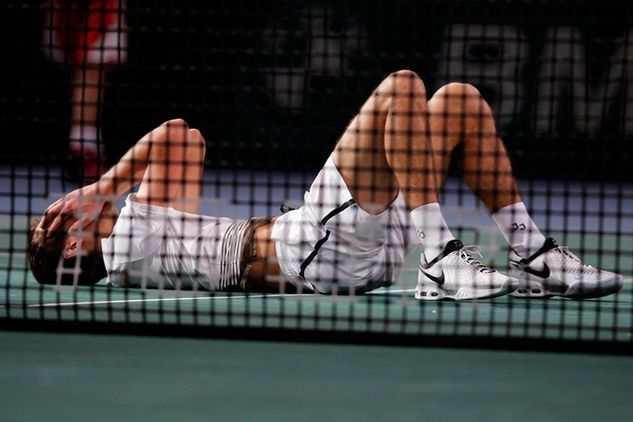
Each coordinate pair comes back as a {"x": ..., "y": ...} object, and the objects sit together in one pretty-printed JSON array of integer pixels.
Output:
[
  {"x": 84, "y": 138},
  {"x": 432, "y": 228},
  {"x": 519, "y": 230}
]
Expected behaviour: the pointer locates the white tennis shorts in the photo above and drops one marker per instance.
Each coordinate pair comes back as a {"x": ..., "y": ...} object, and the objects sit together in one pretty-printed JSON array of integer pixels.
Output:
[{"x": 332, "y": 245}]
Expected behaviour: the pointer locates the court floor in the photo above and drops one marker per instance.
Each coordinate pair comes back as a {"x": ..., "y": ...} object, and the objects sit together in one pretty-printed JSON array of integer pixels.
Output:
[
  {"x": 389, "y": 310},
  {"x": 53, "y": 376},
  {"x": 393, "y": 310},
  {"x": 103, "y": 378}
]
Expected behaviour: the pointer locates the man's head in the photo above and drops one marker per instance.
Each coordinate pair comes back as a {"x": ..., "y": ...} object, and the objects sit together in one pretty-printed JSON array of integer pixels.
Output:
[{"x": 71, "y": 258}]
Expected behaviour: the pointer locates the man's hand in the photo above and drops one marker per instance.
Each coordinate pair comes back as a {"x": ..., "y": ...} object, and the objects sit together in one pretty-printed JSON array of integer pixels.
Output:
[{"x": 84, "y": 203}]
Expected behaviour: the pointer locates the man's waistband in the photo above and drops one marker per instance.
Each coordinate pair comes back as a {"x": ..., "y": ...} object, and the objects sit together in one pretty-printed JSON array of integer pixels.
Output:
[{"x": 249, "y": 249}]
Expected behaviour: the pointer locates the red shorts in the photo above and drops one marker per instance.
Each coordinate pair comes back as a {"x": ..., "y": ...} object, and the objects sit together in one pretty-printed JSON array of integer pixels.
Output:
[{"x": 80, "y": 32}]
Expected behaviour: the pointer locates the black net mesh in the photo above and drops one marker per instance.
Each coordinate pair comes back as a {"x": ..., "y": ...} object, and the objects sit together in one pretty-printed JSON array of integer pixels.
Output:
[{"x": 409, "y": 123}]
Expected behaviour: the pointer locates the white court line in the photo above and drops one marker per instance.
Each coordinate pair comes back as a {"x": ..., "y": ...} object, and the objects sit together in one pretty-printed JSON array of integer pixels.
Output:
[
  {"x": 211, "y": 298},
  {"x": 390, "y": 291},
  {"x": 192, "y": 298},
  {"x": 161, "y": 299}
]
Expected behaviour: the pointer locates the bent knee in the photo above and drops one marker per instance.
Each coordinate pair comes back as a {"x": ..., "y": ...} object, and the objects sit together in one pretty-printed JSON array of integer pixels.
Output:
[
  {"x": 176, "y": 133},
  {"x": 405, "y": 74},
  {"x": 177, "y": 123},
  {"x": 459, "y": 90},
  {"x": 407, "y": 81}
]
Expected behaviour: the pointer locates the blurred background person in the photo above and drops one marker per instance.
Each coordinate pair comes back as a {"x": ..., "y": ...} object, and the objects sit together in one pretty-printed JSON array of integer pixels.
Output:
[{"x": 90, "y": 37}]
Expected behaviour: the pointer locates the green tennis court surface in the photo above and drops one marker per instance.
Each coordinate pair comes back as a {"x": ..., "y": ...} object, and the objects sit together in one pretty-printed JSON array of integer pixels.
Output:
[
  {"x": 389, "y": 311},
  {"x": 272, "y": 85},
  {"x": 103, "y": 378},
  {"x": 604, "y": 319}
]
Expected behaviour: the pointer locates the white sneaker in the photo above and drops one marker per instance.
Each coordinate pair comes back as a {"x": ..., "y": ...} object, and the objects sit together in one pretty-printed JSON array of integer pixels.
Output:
[
  {"x": 455, "y": 274},
  {"x": 554, "y": 271}
]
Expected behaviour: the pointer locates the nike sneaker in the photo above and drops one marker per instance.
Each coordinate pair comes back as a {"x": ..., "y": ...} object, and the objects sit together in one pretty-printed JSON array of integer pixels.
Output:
[
  {"x": 455, "y": 274},
  {"x": 554, "y": 271}
]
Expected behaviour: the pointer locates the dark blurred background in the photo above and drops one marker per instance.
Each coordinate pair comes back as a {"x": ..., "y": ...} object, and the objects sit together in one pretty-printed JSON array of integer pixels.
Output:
[{"x": 273, "y": 83}]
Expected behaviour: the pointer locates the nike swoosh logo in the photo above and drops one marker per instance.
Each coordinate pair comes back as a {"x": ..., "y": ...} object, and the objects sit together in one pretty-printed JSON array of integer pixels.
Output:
[
  {"x": 439, "y": 280},
  {"x": 543, "y": 272}
]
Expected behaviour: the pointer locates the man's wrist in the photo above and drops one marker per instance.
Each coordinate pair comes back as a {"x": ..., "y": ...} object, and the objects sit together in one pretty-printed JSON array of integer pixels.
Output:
[{"x": 105, "y": 186}]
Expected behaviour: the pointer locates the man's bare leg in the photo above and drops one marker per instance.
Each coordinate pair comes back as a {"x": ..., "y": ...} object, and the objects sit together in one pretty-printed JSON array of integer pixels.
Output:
[
  {"x": 87, "y": 94},
  {"x": 86, "y": 145},
  {"x": 460, "y": 116},
  {"x": 398, "y": 141},
  {"x": 386, "y": 148},
  {"x": 374, "y": 157}
]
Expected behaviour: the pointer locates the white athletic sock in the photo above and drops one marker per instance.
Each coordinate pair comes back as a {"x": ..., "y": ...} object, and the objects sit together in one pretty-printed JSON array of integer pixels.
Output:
[
  {"x": 84, "y": 138},
  {"x": 432, "y": 228},
  {"x": 519, "y": 230}
]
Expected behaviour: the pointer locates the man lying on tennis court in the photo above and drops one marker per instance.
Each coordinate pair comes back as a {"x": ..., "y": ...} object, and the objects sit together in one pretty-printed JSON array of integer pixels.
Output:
[{"x": 374, "y": 202}]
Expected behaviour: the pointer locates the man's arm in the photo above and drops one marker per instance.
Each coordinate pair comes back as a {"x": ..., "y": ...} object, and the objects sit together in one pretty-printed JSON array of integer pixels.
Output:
[
  {"x": 163, "y": 150},
  {"x": 128, "y": 172},
  {"x": 173, "y": 173}
]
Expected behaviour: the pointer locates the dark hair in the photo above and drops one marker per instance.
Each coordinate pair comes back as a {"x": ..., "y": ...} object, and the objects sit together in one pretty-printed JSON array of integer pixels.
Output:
[{"x": 44, "y": 256}]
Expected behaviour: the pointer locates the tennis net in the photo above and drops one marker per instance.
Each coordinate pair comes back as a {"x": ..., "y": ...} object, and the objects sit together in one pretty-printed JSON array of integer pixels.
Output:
[{"x": 424, "y": 101}]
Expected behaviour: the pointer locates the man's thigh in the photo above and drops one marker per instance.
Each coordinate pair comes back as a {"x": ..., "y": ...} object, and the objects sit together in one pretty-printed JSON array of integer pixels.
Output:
[{"x": 361, "y": 159}]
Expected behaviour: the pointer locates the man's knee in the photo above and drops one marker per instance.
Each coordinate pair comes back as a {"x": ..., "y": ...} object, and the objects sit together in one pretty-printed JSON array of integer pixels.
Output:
[
  {"x": 464, "y": 93},
  {"x": 407, "y": 82},
  {"x": 176, "y": 134},
  {"x": 465, "y": 108},
  {"x": 176, "y": 124}
]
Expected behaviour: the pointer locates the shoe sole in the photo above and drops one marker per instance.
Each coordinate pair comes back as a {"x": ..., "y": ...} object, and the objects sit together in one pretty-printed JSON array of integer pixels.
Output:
[
  {"x": 532, "y": 289},
  {"x": 435, "y": 293}
]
